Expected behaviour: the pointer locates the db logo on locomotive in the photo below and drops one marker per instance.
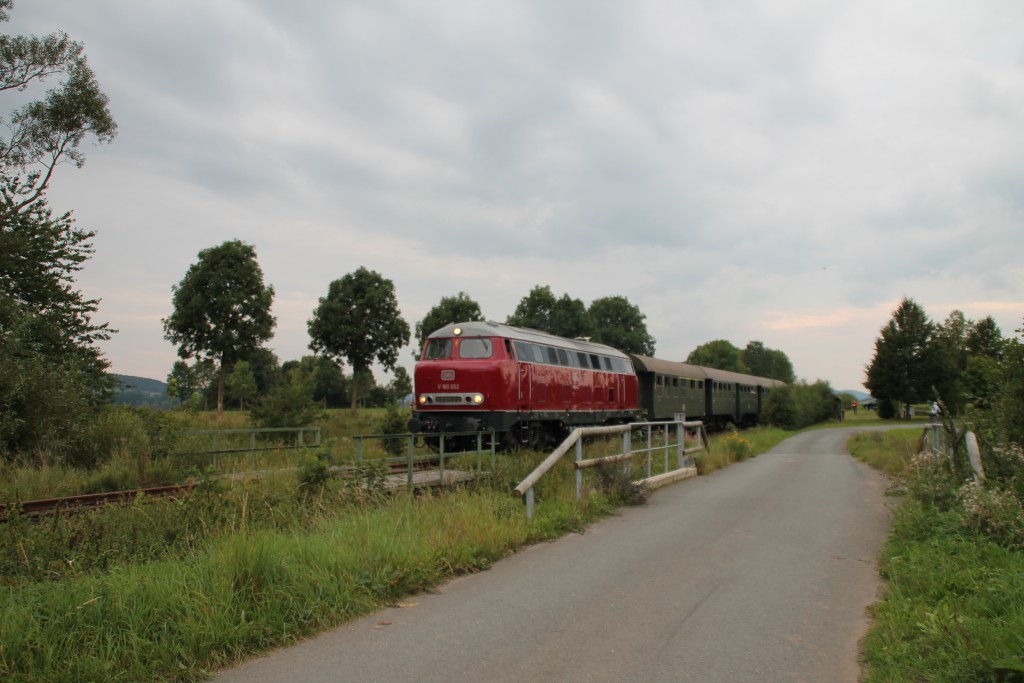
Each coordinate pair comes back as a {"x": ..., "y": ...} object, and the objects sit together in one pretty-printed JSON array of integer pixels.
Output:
[{"x": 447, "y": 375}]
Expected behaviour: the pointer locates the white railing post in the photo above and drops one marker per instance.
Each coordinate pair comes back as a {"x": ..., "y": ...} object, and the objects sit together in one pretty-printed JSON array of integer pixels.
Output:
[
  {"x": 648, "y": 451},
  {"x": 974, "y": 456},
  {"x": 579, "y": 471},
  {"x": 627, "y": 447}
]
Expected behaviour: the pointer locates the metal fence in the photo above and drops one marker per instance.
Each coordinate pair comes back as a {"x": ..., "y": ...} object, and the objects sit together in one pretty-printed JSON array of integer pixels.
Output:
[
  {"x": 684, "y": 463},
  {"x": 239, "y": 441},
  {"x": 416, "y": 456}
]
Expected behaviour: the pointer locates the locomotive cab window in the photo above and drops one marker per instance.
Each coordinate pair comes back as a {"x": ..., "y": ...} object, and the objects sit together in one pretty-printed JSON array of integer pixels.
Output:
[
  {"x": 438, "y": 349},
  {"x": 476, "y": 348}
]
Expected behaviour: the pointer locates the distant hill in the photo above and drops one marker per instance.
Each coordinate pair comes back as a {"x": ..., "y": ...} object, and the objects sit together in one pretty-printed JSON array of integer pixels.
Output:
[
  {"x": 859, "y": 395},
  {"x": 141, "y": 391}
]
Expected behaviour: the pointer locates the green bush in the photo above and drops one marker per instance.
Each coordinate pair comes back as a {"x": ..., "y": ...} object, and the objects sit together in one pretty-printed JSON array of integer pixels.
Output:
[
  {"x": 314, "y": 470},
  {"x": 394, "y": 421},
  {"x": 117, "y": 431},
  {"x": 614, "y": 481},
  {"x": 795, "y": 406},
  {"x": 289, "y": 404}
]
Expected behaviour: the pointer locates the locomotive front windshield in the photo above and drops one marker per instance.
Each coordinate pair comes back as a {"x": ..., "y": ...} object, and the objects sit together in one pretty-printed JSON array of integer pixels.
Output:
[
  {"x": 471, "y": 347},
  {"x": 476, "y": 348},
  {"x": 438, "y": 349}
]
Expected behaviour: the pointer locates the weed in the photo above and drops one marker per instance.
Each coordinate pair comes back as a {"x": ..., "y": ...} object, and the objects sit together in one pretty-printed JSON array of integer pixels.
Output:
[{"x": 614, "y": 481}]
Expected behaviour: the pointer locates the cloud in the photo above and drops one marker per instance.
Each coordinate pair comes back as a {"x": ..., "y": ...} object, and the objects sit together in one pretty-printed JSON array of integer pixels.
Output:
[{"x": 778, "y": 172}]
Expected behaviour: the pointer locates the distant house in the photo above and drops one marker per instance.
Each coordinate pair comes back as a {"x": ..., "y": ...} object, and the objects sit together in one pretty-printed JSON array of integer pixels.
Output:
[{"x": 869, "y": 404}]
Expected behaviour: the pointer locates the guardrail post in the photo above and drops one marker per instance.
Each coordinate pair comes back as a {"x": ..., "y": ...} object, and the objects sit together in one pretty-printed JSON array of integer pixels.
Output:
[
  {"x": 665, "y": 431},
  {"x": 479, "y": 452},
  {"x": 974, "y": 456},
  {"x": 317, "y": 437},
  {"x": 300, "y": 444},
  {"x": 579, "y": 472},
  {"x": 529, "y": 503},
  {"x": 359, "y": 450},
  {"x": 680, "y": 438},
  {"x": 627, "y": 447},
  {"x": 408, "y": 461},
  {"x": 680, "y": 444},
  {"x": 494, "y": 451},
  {"x": 649, "y": 454},
  {"x": 441, "y": 462},
  {"x": 252, "y": 450}
]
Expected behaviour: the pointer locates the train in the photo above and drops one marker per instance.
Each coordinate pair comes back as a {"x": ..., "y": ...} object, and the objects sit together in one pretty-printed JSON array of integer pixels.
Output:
[{"x": 531, "y": 388}]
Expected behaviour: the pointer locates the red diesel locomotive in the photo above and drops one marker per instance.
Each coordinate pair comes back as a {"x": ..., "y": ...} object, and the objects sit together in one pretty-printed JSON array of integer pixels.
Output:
[{"x": 528, "y": 386}]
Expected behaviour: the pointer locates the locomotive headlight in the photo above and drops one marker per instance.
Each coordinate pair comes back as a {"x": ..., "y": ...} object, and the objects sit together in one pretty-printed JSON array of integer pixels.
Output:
[
  {"x": 478, "y": 399},
  {"x": 457, "y": 331},
  {"x": 422, "y": 399}
]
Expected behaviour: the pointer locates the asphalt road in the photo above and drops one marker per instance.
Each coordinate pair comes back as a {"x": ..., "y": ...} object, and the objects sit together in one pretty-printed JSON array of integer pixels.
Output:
[{"x": 759, "y": 572}]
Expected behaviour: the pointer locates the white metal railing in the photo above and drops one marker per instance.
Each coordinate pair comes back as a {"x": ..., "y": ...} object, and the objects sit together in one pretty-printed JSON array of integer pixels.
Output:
[{"x": 682, "y": 453}]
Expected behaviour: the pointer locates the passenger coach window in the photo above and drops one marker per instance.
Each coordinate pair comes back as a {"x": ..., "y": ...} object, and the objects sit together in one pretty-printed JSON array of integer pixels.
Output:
[
  {"x": 476, "y": 348},
  {"x": 438, "y": 349}
]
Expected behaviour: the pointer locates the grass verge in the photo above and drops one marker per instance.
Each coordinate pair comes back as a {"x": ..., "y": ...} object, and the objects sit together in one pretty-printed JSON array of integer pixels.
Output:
[{"x": 953, "y": 609}]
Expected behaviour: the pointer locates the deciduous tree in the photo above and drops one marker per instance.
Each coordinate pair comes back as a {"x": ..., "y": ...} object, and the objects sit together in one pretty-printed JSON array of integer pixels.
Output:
[
  {"x": 535, "y": 310},
  {"x": 52, "y": 373},
  {"x": 43, "y": 133},
  {"x": 907, "y": 360},
  {"x": 359, "y": 321},
  {"x": 720, "y": 354},
  {"x": 770, "y": 363},
  {"x": 540, "y": 310},
  {"x": 452, "y": 309},
  {"x": 621, "y": 325},
  {"x": 570, "y": 319},
  {"x": 221, "y": 308},
  {"x": 241, "y": 383}
]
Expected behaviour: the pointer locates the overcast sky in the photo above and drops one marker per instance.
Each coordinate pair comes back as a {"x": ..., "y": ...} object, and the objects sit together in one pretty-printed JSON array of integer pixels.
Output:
[{"x": 743, "y": 170}]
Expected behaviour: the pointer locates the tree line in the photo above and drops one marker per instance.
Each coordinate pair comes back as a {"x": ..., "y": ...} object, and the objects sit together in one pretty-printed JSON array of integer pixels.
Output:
[
  {"x": 966, "y": 365},
  {"x": 221, "y": 319},
  {"x": 222, "y": 316}
]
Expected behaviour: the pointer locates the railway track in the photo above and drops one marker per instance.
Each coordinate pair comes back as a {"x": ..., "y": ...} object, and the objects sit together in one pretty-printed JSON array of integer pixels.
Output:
[
  {"x": 73, "y": 504},
  {"x": 47, "y": 506}
]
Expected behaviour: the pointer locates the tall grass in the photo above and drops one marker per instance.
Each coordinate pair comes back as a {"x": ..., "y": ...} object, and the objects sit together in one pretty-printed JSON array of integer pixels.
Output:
[
  {"x": 249, "y": 590},
  {"x": 889, "y": 451},
  {"x": 954, "y": 603}
]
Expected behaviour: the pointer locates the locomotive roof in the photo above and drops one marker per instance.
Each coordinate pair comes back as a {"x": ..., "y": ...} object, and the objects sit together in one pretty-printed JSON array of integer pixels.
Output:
[
  {"x": 670, "y": 367},
  {"x": 490, "y": 328}
]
